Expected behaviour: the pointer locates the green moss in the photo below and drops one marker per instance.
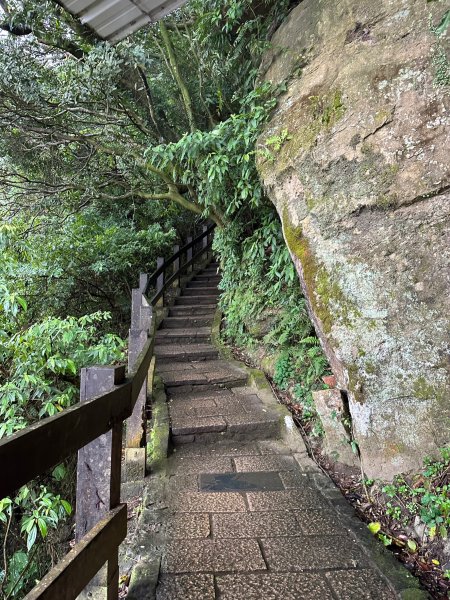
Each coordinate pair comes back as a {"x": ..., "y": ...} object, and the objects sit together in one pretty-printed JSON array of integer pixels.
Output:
[
  {"x": 328, "y": 300},
  {"x": 427, "y": 391},
  {"x": 382, "y": 116},
  {"x": 370, "y": 368},
  {"x": 386, "y": 201},
  {"x": 322, "y": 113},
  {"x": 354, "y": 383}
]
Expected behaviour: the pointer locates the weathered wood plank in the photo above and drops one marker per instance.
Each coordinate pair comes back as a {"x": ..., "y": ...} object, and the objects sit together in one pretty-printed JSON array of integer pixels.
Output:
[
  {"x": 71, "y": 575},
  {"x": 140, "y": 370},
  {"x": 32, "y": 451},
  {"x": 98, "y": 470}
]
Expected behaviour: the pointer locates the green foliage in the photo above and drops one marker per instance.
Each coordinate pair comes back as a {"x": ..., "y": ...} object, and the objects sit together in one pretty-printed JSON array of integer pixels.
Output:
[
  {"x": 427, "y": 496},
  {"x": 221, "y": 162}
]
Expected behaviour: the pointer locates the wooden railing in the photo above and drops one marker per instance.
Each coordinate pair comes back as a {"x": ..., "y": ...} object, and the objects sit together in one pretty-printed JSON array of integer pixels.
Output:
[{"x": 94, "y": 428}]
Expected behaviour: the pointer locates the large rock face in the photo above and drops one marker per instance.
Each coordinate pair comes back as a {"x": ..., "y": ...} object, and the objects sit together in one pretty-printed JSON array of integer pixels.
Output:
[{"x": 362, "y": 185}]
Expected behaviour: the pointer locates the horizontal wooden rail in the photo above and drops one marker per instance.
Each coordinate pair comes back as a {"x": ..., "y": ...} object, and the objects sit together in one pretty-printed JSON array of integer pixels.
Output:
[
  {"x": 71, "y": 575},
  {"x": 32, "y": 451}
]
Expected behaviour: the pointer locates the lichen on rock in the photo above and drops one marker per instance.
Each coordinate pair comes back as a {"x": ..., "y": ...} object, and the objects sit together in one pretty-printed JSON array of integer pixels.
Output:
[{"x": 362, "y": 186}]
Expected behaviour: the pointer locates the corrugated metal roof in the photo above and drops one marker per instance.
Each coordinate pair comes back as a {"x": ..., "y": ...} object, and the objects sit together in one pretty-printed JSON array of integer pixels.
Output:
[{"x": 113, "y": 20}]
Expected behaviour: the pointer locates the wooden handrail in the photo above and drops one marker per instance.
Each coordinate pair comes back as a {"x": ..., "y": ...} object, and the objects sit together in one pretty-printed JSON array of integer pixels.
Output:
[
  {"x": 49, "y": 441},
  {"x": 34, "y": 450},
  {"x": 67, "y": 580}
]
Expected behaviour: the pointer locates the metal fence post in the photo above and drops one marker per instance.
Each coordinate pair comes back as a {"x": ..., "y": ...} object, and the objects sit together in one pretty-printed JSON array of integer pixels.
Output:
[
  {"x": 205, "y": 240},
  {"x": 176, "y": 265},
  {"x": 189, "y": 255},
  {"x": 98, "y": 477}
]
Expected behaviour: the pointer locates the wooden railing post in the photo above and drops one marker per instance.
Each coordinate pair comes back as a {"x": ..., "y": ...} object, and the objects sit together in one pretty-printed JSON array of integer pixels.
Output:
[
  {"x": 135, "y": 451},
  {"x": 99, "y": 477},
  {"x": 160, "y": 279},
  {"x": 143, "y": 280}
]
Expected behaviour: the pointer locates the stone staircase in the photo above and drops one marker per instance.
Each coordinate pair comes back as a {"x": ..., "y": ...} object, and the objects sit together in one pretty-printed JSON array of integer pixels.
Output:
[
  {"x": 208, "y": 397},
  {"x": 238, "y": 511}
]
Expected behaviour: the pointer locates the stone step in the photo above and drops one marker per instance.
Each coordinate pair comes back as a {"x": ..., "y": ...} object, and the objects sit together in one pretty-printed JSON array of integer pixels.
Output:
[
  {"x": 184, "y": 311},
  {"x": 187, "y": 322},
  {"x": 207, "y": 277},
  {"x": 220, "y": 415},
  {"x": 209, "y": 271},
  {"x": 184, "y": 336},
  {"x": 171, "y": 353},
  {"x": 197, "y": 377},
  {"x": 195, "y": 300},
  {"x": 203, "y": 283},
  {"x": 202, "y": 291}
]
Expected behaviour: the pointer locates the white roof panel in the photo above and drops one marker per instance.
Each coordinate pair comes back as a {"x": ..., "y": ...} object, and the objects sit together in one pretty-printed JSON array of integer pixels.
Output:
[{"x": 115, "y": 19}]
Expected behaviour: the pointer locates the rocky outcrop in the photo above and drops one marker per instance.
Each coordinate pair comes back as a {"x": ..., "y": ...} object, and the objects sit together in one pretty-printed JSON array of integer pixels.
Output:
[{"x": 360, "y": 177}]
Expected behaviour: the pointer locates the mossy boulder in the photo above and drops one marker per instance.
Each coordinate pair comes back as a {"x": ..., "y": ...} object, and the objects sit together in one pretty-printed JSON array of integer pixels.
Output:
[{"x": 362, "y": 185}]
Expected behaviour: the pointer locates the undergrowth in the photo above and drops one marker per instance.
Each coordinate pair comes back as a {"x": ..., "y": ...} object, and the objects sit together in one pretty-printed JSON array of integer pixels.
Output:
[
  {"x": 265, "y": 311},
  {"x": 411, "y": 515}
]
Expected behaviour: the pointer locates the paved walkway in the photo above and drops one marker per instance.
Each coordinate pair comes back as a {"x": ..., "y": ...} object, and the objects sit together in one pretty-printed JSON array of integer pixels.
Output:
[{"x": 240, "y": 515}]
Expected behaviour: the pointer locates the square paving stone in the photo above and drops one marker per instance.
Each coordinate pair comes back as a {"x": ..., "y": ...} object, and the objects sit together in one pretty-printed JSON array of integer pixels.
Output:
[
  {"x": 194, "y": 556},
  {"x": 174, "y": 525},
  {"x": 312, "y": 553},
  {"x": 171, "y": 378},
  {"x": 191, "y": 404},
  {"x": 295, "y": 479},
  {"x": 240, "y": 482},
  {"x": 285, "y": 500},
  {"x": 194, "y": 424},
  {"x": 213, "y": 394},
  {"x": 204, "y": 464},
  {"x": 186, "y": 525},
  {"x": 204, "y": 502},
  {"x": 359, "y": 584},
  {"x": 229, "y": 405},
  {"x": 273, "y": 586},
  {"x": 186, "y": 587},
  {"x": 264, "y": 463},
  {"x": 320, "y": 522},
  {"x": 255, "y": 525},
  {"x": 179, "y": 483}
]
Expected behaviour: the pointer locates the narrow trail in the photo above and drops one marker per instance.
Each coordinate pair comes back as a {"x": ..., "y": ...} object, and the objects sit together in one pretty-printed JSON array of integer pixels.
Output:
[{"x": 240, "y": 513}]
